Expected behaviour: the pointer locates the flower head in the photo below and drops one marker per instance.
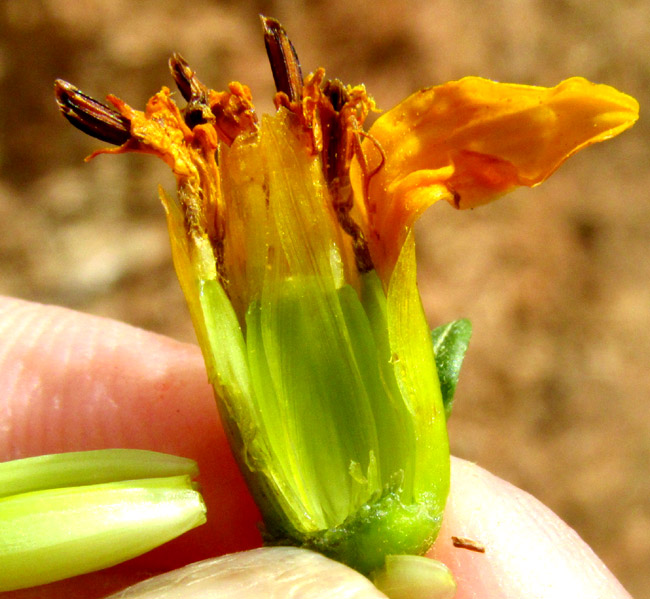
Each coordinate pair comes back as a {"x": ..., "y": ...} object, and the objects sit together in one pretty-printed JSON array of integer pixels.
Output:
[{"x": 292, "y": 240}]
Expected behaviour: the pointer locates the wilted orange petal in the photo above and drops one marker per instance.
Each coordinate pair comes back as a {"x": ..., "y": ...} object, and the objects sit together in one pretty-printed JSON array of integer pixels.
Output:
[{"x": 470, "y": 141}]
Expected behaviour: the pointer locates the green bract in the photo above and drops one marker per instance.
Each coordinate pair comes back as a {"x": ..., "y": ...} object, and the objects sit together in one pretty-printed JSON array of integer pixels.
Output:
[{"x": 450, "y": 342}]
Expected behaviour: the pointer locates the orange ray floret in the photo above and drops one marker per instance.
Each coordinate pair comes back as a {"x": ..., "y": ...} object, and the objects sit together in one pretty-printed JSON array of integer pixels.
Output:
[{"x": 472, "y": 140}]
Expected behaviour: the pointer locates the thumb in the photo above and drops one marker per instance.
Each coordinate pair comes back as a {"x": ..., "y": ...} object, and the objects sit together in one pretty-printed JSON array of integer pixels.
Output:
[{"x": 266, "y": 573}]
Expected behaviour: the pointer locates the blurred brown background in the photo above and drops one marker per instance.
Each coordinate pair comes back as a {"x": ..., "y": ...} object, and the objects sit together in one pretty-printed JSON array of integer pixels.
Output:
[{"x": 554, "y": 395}]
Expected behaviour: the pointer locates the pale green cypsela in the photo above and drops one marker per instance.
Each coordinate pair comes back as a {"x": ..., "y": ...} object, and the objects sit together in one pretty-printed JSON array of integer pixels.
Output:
[{"x": 67, "y": 514}]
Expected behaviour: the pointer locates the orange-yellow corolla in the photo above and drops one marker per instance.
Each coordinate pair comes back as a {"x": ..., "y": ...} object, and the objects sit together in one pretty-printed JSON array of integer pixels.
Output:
[{"x": 470, "y": 141}]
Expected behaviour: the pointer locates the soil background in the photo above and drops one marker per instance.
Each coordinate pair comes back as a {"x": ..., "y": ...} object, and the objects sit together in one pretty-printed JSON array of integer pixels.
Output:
[{"x": 554, "y": 394}]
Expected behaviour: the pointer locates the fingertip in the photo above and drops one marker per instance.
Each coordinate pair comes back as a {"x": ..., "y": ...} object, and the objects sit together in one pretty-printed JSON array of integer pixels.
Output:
[
  {"x": 270, "y": 572},
  {"x": 529, "y": 551},
  {"x": 76, "y": 382}
]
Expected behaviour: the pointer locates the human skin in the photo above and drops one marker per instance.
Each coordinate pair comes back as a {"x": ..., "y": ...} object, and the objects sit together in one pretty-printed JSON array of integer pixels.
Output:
[{"x": 74, "y": 382}]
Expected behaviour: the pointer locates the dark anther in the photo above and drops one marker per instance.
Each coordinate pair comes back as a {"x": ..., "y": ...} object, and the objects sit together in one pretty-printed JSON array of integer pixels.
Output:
[
  {"x": 335, "y": 157},
  {"x": 337, "y": 94},
  {"x": 91, "y": 116},
  {"x": 283, "y": 58},
  {"x": 183, "y": 76},
  {"x": 195, "y": 93}
]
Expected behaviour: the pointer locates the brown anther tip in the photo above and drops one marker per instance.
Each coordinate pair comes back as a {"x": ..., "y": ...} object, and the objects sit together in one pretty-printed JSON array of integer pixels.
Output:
[
  {"x": 283, "y": 58},
  {"x": 182, "y": 74},
  {"x": 196, "y": 94},
  {"x": 271, "y": 26},
  {"x": 91, "y": 116}
]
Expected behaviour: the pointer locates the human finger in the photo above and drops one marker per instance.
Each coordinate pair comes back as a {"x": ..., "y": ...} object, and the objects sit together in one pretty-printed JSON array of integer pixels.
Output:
[
  {"x": 265, "y": 573},
  {"x": 75, "y": 382},
  {"x": 529, "y": 551}
]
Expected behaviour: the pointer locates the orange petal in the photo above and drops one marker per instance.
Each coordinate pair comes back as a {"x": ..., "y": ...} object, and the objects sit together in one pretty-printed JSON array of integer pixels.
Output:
[{"x": 470, "y": 141}]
